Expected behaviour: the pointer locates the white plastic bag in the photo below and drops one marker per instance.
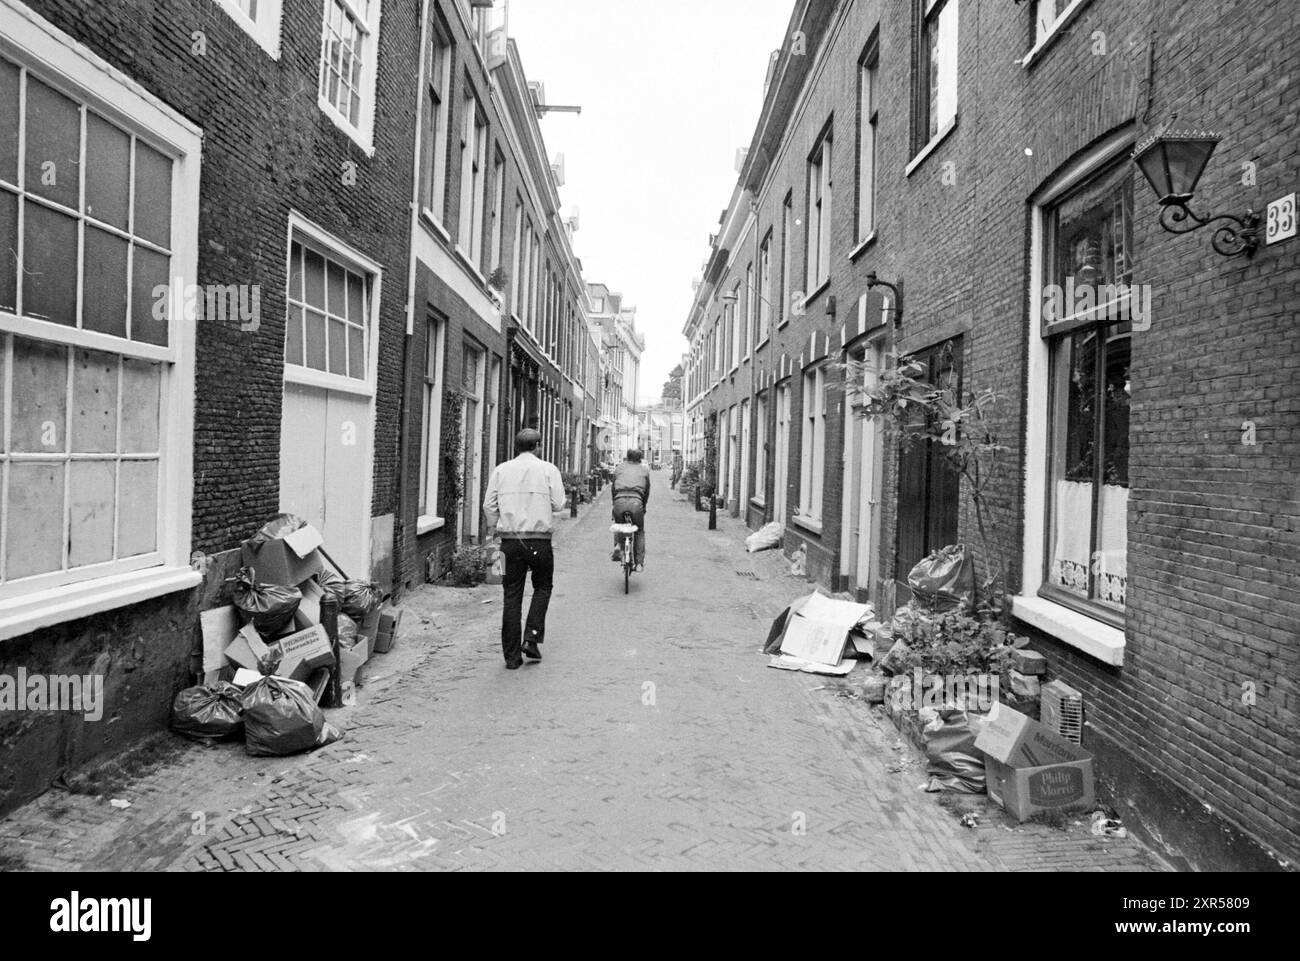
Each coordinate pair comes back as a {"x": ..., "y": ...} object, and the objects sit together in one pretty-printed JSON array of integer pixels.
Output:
[
  {"x": 765, "y": 538},
  {"x": 799, "y": 562}
]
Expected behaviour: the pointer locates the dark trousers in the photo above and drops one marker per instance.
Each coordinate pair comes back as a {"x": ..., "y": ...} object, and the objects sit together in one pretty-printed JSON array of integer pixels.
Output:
[
  {"x": 523, "y": 556},
  {"x": 633, "y": 506}
]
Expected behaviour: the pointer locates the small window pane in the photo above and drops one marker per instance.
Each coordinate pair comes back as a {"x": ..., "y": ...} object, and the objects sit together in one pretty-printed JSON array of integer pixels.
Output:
[
  {"x": 53, "y": 144},
  {"x": 105, "y": 283},
  {"x": 149, "y": 316},
  {"x": 153, "y": 196},
  {"x": 8, "y": 122},
  {"x": 34, "y": 523},
  {"x": 108, "y": 164},
  {"x": 137, "y": 529},
  {"x": 315, "y": 340},
  {"x": 141, "y": 389},
  {"x": 90, "y": 487},
  {"x": 356, "y": 299},
  {"x": 295, "y": 272},
  {"x": 338, "y": 347},
  {"x": 50, "y": 266},
  {"x": 356, "y": 353},
  {"x": 314, "y": 272},
  {"x": 8, "y": 251},
  {"x": 94, "y": 402},
  {"x": 293, "y": 337},
  {"x": 40, "y": 397},
  {"x": 337, "y": 285}
]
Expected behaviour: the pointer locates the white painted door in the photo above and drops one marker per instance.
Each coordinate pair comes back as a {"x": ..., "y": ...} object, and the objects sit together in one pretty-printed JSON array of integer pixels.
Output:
[
  {"x": 782, "y": 453},
  {"x": 324, "y": 469},
  {"x": 867, "y": 479}
]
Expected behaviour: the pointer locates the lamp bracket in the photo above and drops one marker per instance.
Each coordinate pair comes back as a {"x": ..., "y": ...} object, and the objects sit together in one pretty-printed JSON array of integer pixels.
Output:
[{"x": 1232, "y": 238}]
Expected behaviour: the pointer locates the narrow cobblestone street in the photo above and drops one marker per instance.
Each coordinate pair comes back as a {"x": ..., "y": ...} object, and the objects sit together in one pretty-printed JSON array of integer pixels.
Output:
[{"x": 652, "y": 736}]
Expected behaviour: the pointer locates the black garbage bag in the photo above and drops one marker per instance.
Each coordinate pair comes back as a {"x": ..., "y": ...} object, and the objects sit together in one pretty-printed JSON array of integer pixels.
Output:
[
  {"x": 276, "y": 528},
  {"x": 269, "y": 606},
  {"x": 953, "y": 761},
  {"x": 357, "y": 599},
  {"x": 944, "y": 579},
  {"x": 208, "y": 713},
  {"x": 281, "y": 717}
]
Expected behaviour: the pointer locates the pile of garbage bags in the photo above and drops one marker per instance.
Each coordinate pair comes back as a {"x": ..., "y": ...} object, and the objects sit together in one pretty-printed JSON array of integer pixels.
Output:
[{"x": 276, "y": 716}]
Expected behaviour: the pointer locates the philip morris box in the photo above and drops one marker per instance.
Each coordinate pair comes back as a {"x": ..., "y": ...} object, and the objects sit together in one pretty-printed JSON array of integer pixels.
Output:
[
  {"x": 1030, "y": 768},
  {"x": 288, "y": 560}
]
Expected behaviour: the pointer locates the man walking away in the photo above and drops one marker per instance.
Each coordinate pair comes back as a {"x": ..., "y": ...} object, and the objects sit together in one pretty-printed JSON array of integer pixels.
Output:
[
  {"x": 631, "y": 495},
  {"x": 522, "y": 496}
]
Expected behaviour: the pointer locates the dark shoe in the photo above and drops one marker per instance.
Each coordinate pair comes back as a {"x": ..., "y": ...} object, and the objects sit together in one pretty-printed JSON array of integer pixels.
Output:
[
  {"x": 617, "y": 556},
  {"x": 532, "y": 651},
  {"x": 514, "y": 665}
]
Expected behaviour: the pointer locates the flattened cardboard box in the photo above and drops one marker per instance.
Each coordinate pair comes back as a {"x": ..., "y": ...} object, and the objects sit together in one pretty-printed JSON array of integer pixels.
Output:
[{"x": 286, "y": 561}]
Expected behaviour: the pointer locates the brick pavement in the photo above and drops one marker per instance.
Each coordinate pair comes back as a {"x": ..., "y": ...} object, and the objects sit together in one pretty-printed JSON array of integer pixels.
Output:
[{"x": 652, "y": 736}]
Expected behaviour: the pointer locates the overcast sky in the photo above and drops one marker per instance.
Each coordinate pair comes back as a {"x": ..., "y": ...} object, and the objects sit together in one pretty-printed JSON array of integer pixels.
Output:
[{"x": 669, "y": 90}]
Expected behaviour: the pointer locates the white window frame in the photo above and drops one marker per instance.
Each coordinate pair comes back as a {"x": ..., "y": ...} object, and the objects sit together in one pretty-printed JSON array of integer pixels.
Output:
[
  {"x": 812, "y": 473},
  {"x": 498, "y": 211},
  {"x": 760, "y": 449},
  {"x": 303, "y": 231},
  {"x": 436, "y": 207},
  {"x": 787, "y": 261},
  {"x": 818, "y": 233},
  {"x": 362, "y": 133},
  {"x": 431, "y": 426},
  {"x": 940, "y": 121},
  {"x": 36, "y": 45},
  {"x": 764, "y": 290},
  {"x": 473, "y": 153},
  {"x": 735, "y": 331},
  {"x": 750, "y": 331},
  {"x": 264, "y": 27},
  {"x": 1078, "y": 630},
  {"x": 868, "y": 129}
]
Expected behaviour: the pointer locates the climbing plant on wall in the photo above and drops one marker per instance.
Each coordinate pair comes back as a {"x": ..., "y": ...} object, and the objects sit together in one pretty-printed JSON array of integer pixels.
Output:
[{"x": 452, "y": 454}]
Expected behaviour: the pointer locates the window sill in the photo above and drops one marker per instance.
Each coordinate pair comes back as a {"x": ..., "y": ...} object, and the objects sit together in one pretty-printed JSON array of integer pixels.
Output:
[
  {"x": 807, "y": 523},
  {"x": 817, "y": 292},
  {"x": 1079, "y": 631},
  {"x": 22, "y": 615},
  {"x": 1062, "y": 23},
  {"x": 763, "y": 343},
  {"x": 266, "y": 33},
  {"x": 471, "y": 266},
  {"x": 930, "y": 148},
  {"x": 861, "y": 248},
  {"x": 354, "y": 134},
  {"x": 758, "y": 502},
  {"x": 427, "y": 524},
  {"x": 430, "y": 220}
]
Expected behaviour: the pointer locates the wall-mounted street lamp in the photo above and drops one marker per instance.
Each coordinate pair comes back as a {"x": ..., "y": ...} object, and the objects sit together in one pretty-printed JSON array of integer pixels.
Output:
[
  {"x": 895, "y": 289},
  {"x": 1172, "y": 162}
]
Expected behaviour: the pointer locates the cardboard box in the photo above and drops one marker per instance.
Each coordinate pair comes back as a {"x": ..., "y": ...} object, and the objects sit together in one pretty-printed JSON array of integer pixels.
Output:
[
  {"x": 286, "y": 561},
  {"x": 1030, "y": 768},
  {"x": 247, "y": 649},
  {"x": 1025, "y": 791},
  {"x": 369, "y": 629},
  {"x": 304, "y": 652}
]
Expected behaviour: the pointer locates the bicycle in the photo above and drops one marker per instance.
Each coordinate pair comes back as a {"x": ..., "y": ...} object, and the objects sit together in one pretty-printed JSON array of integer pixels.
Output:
[{"x": 628, "y": 531}]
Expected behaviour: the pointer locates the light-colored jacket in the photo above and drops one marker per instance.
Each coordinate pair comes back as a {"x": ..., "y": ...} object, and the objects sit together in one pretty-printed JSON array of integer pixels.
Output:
[{"x": 522, "y": 495}]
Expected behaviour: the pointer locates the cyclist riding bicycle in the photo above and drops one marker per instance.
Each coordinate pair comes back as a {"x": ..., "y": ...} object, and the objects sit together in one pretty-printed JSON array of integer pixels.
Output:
[{"x": 631, "y": 495}]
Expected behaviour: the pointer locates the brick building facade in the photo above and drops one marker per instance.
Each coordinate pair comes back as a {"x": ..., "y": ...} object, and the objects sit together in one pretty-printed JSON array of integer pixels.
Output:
[
  {"x": 317, "y": 186},
  {"x": 973, "y": 158}
]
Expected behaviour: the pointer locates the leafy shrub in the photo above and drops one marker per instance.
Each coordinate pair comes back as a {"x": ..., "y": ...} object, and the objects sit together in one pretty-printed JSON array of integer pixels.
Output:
[
  {"x": 469, "y": 566},
  {"x": 954, "y": 642}
]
